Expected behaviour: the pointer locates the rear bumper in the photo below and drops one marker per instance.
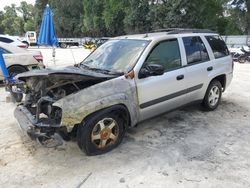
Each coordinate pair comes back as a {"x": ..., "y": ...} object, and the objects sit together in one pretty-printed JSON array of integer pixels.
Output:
[{"x": 229, "y": 78}]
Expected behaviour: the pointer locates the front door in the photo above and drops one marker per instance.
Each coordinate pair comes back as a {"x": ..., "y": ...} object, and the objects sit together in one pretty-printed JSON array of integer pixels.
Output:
[{"x": 158, "y": 94}]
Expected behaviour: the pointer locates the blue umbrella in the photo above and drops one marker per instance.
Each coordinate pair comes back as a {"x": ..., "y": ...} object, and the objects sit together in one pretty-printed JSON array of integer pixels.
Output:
[
  {"x": 3, "y": 66},
  {"x": 47, "y": 34}
]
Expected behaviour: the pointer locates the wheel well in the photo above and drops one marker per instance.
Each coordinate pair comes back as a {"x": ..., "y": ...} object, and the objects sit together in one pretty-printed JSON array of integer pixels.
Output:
[
  {"x": 121, "y": 109},
  {"x": 18, "y": 66},
  {"x": 222, "y": 80},
  {"x": 26, "y": 43}
]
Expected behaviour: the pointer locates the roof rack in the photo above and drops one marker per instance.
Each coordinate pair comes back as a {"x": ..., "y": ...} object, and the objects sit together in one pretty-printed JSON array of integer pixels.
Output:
[{"x": 183, "y": 30}]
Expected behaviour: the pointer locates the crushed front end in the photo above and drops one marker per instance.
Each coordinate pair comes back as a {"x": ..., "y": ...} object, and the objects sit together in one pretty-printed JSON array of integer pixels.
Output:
[{"x": 37, "y": 116}]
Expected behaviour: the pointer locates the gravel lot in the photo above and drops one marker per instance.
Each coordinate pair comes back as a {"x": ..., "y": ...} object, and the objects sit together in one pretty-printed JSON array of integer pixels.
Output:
[{"x": 184, "y": 148}]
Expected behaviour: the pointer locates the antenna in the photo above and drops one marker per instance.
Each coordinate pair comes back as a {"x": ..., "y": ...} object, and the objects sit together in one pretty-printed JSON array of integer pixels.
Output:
[{"x": 73, "y": 56}]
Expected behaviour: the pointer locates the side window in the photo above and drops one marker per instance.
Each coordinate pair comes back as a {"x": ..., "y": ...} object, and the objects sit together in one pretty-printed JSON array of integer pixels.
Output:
[
  {"x": 6, "y": 40},
  {"x": 195, "y": 50},
  {"x": 218, "y": 46},
  {"x": 167, "y": 54}
]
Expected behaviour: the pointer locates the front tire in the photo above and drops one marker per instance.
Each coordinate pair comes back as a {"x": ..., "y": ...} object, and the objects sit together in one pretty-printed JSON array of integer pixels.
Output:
[
  {"x": 101, "y": 132},
  {"x": 213, "y": 96}
]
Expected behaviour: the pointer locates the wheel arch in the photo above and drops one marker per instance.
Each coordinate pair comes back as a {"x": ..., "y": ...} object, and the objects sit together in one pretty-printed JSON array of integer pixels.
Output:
[
  {"x": 122, "y": 108},
  {"x": 18, "y": 66},
  {"x": 25, "y": 42},
  {"x": 222, "y": 79}
]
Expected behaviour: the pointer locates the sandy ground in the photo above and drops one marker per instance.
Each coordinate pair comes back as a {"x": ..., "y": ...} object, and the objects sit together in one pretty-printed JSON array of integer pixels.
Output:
[{"x": 185, "y": 148}]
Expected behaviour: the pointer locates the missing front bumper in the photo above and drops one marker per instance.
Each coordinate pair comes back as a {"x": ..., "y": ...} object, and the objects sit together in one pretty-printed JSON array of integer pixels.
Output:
[{"x": 29, "y": 124}]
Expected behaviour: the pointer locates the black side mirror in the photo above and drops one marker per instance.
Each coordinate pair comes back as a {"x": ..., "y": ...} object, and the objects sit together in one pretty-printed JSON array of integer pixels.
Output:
[{"x": 151, "y": 70}]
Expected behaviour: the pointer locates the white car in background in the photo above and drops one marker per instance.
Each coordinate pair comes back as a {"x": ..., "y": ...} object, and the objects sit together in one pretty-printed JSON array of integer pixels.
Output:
[
  {"x": 13, "y": 40},
  {"x": 20, "y": 60}
]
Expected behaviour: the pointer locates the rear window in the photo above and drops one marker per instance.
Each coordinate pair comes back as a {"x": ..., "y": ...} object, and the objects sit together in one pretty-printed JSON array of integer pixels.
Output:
[
  {"x": 5, "y": 40},
  {"x": 218, "y": 46}
]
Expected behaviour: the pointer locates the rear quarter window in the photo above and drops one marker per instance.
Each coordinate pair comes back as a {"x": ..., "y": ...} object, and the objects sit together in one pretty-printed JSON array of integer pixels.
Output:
[
  {"x": 218, "y": 46},
  {"x": 6, "y": 40}
]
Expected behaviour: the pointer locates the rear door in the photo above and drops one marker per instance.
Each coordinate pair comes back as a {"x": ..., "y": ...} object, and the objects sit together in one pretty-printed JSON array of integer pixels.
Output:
[
  {"x": 198, "y": 67},
  {"x": 158, "y": 94},
  {"x": 222, "y": 61}
]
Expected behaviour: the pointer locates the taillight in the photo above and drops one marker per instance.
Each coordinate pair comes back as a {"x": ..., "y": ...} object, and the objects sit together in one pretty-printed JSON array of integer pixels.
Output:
[
  {"x": 23, "y": 46},
  {"x": 38, "y": 57}
]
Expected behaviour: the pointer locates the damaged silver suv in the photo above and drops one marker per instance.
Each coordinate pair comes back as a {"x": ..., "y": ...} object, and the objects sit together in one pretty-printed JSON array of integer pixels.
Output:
[{"x": 125, "y": 81}]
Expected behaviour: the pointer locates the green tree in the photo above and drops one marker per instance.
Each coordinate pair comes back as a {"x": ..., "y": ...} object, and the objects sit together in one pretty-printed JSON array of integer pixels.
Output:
[
  {"x": 1, "y": 22},
  {"x": 240, "y": 12},
  {"x": 9, "y": 19},
  {"x": 28, "y": 13},
  {"x": 93, "y": 21},
  {"x": 114, "y": 15},
  {"x": 67, "y": 15},
  {"x": 39, "y": 9},
  {"x": 137, "y": 16}
]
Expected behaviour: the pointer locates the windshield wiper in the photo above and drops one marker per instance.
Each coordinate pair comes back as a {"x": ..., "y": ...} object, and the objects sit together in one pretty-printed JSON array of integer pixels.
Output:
[
  {"x": 104, "y": 71},
  {"x": 83, "y": 63}
]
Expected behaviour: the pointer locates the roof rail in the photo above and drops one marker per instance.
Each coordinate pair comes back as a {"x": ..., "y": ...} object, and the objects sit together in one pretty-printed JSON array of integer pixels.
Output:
[{"x": 183, "y": 30}]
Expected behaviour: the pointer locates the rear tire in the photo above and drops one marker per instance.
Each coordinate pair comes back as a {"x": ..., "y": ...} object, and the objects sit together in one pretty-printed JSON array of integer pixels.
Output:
[
  {"x": 26, "y": 43},
  {"x": 14, "y": 70},
  {"x": 63, "y": 45},
  {"x": 213, "y": 96},
  {"x": 101, "y": 132}
]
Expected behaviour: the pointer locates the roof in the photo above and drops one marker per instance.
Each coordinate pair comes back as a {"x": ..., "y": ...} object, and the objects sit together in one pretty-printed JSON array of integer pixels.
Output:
[{"x": 172, "y": 32}]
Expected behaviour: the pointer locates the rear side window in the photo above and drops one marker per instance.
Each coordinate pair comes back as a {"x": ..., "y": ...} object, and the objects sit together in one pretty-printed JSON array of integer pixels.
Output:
[
  {"x": 167, "y": 54},
  {"x": 218, "y": 46},
  {"x": 6, "y": 40},
  {"x": 195, "y": 50}
]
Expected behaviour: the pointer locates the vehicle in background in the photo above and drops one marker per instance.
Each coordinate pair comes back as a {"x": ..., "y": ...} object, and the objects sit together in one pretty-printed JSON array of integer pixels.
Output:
[
  {"x": 68, "y": 42},
  {"x": 30, "y": 38},
  {"x": 241, "y": 55},
  {"x": 86, "y": 42},
  {"x": 19, "y": 60},
  {"x": 93, "y": 43},
  {"x": 13, "y": 40},
  {"x": 101, "y": 41}
]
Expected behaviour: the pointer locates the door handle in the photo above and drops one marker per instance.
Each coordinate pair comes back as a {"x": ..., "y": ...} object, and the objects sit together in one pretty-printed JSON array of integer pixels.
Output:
[
  {"x": 180, "y": 77},
  {"x": 210, "y": 68}
]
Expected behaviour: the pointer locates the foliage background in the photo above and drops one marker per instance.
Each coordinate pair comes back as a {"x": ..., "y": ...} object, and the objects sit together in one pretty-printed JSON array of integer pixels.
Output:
[{"x": 78, "y": 18}]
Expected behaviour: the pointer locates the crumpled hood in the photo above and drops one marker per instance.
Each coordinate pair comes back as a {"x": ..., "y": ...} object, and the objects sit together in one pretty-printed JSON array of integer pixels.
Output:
[
  {"x": 52, "y": 78},
  {"x": 70, "y": 72}
]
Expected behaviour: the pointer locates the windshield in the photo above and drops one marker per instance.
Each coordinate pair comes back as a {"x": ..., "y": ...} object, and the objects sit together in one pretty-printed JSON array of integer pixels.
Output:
[{"x": 116, "y": 55}]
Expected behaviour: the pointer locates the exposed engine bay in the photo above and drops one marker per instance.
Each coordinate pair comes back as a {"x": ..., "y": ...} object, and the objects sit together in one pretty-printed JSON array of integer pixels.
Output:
[{"x": 44, "y": 87}]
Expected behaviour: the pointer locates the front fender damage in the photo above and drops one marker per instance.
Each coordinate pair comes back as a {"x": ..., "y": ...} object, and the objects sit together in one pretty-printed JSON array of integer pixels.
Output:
[{"x": 76, "y": 107}]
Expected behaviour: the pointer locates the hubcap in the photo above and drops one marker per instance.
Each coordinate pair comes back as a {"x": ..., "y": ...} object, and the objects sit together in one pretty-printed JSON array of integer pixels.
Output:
[
  {"x": 214, "y": 95},
  {"x": 105, "y": 133}
]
